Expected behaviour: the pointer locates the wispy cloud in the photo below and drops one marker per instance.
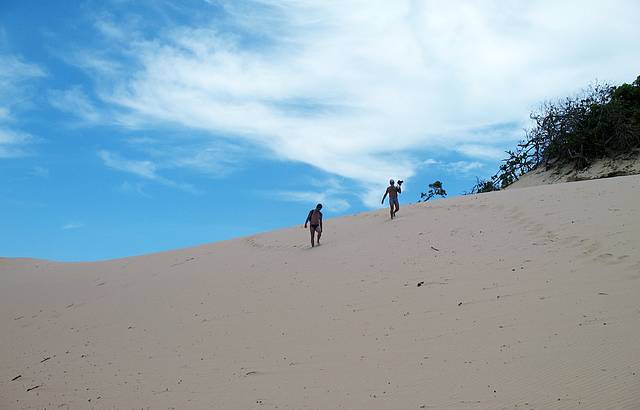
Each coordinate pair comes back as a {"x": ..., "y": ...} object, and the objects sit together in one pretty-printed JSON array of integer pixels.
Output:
[
  {"x": 331, "y": 203},
  {"x": 109, "y": 29},
  {"x": 95, "y": 61},
  {"x": 144, "y": 169},
  {"x": 133, "y": 187},
  {"x": 40, "y": 172},
  {"x": 356, "y": 86},
  {"x": 15, "y": 92},
  {"x": 330, "y": 192},
  {"x": 14, "y": 69},
  {"x": 463, "y": 166},
  {"x": 71, "y": 225},
  {"x": 15, "y": 87},
  {"x": 76, "y": 102},
  {"x": 430, "y": 162},
  {"x": 485, "y": 152},
  {"x": 14, "y": 144},
  {"x": 457, "y": 167},
  {"x": 197, "y": 154},
  {"x": 141, "y": 168}
]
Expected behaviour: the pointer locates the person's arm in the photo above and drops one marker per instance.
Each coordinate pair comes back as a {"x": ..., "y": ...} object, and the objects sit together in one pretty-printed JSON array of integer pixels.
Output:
[
  {"x": 308, "y": 219},
  {"x": 321, "y": 221},
  {"x": 399, "y": 189},
  {"x": 385, "y": 195}
]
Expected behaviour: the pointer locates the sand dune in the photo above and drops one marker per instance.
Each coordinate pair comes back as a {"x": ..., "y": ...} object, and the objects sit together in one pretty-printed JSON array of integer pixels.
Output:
[
  {"x": 623, "y": 164},
  {"x": 528, "y": 299}
]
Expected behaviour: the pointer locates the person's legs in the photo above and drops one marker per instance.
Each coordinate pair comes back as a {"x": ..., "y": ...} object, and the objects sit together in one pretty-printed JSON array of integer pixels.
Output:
[
  {"x": 319, "y": 234},
  {"x": 393, "y": 206},
  {"x": 312, "y": 229}
]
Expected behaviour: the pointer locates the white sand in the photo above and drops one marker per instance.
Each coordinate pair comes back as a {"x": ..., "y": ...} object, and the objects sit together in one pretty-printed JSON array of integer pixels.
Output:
[
  {"x": 627, "y": 164},
  {"x": 531, "y": 301}
]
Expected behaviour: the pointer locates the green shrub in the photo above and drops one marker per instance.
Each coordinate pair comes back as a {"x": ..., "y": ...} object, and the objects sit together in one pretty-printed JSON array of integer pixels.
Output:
[
  {"x": 435, "y": 189},
  {"x": 602, "y": 121},
  {"x": 482, "y": 186}
]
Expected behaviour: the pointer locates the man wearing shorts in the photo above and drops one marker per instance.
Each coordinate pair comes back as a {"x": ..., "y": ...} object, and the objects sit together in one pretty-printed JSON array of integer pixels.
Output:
[
  {"x": 314, "y": 219},
  {"x": 393, "y": 191}
]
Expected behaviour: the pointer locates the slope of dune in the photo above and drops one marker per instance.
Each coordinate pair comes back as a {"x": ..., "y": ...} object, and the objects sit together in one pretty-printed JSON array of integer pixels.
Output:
[
  {"x": 524, "y": 299},
  {"x": 621, "y": 165}
]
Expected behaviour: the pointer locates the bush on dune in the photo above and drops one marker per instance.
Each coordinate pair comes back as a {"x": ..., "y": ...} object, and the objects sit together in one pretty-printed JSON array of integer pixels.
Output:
[
  {"x": 482, "y": 186},
  {"x": 435, "y": 189},
  {"x": 602, "y": 121}
]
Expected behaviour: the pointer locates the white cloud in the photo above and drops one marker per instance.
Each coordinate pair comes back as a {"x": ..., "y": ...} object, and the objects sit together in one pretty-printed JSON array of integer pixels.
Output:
[
  {"x": 330, "y": 203},
  {"x": 330, "y": 192},
  {"x": 136, "y": 188},
  {"x": 40, "y": 172},
  {"x": 213, "y": 159},
  {"x": 350, "y": 87},
  {"x": 13, "y": 69},
  {"x": 142, "y": 168},
  {"x": 109, "y": 29},
  {"x": 430, "y": 162},
  {"x": 71, "y": 225},
  {"x": 485, "y": 152},
  {"x": 75, "y": 101},
  {"x": 93, "y": 60},
  {"x": 15, "y": 92},
  {"x": 13, "y": 144},
  {"x": 9, "y": 137},
  {"x": 15, "y": 75},
  {"x": 463, "y": 166}
]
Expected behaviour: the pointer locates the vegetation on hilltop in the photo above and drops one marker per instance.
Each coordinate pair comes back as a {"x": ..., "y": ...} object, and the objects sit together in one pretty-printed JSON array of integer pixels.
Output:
[
  {"x": 435, "y": 189},
  {"x": 602, "y": 121}
]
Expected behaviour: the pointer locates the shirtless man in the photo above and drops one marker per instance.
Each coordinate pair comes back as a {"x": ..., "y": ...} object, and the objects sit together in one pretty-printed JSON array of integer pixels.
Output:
[
  {"x": 393, "y": 191},
  {"x": 314, "y": 219}
]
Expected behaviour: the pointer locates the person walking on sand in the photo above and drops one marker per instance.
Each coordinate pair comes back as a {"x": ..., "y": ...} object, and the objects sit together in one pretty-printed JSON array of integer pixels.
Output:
[
  {"x": 314, "y": 219},
  {"x": 393, "y": 191}
]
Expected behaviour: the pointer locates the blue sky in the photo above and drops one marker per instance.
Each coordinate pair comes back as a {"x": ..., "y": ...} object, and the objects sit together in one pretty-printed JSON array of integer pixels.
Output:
[{"x": 129, "y": 127}]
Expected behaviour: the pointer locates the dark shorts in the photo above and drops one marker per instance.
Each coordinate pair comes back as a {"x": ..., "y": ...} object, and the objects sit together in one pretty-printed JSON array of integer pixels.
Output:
[
  {"x": 394, "y": 201},
  {"x": 315, "y": 228}
]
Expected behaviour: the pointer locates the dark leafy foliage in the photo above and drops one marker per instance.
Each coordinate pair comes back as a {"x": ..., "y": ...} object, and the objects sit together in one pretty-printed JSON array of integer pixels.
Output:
[
  {"x": 603, "y": 121},
  {"x": 482, "y": 186},
  {"x": 435, "y": 189}
]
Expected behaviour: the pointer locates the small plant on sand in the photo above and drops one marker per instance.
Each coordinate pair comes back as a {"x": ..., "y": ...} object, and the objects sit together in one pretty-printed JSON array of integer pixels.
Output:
[
  {"x": 482, "y": 186},
  {"x": 435, "y": 189}
]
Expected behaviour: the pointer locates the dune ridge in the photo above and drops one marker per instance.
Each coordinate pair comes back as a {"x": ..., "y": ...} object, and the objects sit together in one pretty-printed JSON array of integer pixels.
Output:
[
  {"x": 620, "y": 165},
  {"x": 524, "y": 298}
]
